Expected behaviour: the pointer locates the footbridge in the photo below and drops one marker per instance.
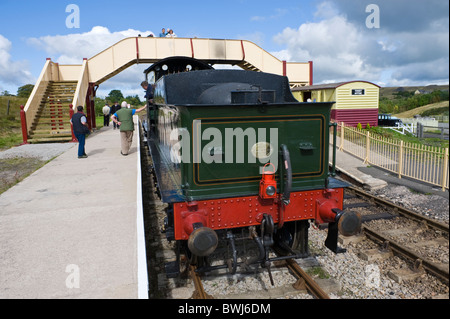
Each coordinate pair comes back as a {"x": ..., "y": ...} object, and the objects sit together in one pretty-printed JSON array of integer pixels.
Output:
[{"x": 60, "y": 88}]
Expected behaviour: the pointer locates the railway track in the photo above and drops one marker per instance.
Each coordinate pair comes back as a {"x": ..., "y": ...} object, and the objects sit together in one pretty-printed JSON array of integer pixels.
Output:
[
  {"x": 398, "y": 210},
  {"x": 199, "y": 292},
  {"x": 303, "y": 282},
  {"x": 160, "y": 251},
  {"x": 420, "y": 240}
]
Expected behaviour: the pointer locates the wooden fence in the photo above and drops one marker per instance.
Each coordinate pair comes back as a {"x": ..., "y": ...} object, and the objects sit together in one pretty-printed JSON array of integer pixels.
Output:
[{"x": 424, "y": 163}]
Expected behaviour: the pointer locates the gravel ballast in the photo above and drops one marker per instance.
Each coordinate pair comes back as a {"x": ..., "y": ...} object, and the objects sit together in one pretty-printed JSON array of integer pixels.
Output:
[{"x": 44, "y": 152}]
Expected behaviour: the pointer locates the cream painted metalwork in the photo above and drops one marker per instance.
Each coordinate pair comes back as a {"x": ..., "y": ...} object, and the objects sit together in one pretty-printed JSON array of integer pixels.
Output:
[
  {"x": 129, "y": 51},
  {"x": 424, "y": 163}
]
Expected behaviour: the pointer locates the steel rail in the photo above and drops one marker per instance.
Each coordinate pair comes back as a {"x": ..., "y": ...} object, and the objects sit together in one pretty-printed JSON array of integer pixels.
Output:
[
  {"x": 403, "y": 211},
  {"x": 431, "y": 267},
  {"x": 310, "y": 284},
  {"x": 199, "y": 292}
]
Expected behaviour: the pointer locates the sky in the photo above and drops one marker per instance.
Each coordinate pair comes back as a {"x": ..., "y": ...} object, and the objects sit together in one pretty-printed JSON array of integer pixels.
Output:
[{"x": 387, "y": 42}]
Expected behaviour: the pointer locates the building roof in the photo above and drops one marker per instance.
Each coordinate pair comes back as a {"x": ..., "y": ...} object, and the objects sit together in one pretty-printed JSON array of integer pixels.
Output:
[{"x": 327, "y": 86}]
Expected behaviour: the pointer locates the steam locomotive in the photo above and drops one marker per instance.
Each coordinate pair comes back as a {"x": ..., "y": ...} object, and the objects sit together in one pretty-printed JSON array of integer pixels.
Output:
[{"x": 235, "y": 153}]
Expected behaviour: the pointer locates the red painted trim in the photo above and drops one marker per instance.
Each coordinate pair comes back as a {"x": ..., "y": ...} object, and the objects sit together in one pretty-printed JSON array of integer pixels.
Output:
[
  {"x": 330, "y": 85},
  {"x": 243, "y": 50},
  {"x": 192, "y": 48},
  {"x": 248, "y": 211},
  {"x": 71, "y": 112},
  {"x": 94, "y": 94},
  {"x": 137, "y": 49},
  {"x": 351, "y": 117},
  {"x": 344, "y": 83},
  {"x": 23, "y": 120},
  {"x": 284, "y": 68},
  {"x": 310, "y": 72}
]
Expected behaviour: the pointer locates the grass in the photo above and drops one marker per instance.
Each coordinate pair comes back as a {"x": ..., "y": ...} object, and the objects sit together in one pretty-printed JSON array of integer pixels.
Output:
[
  {"x": 10, "y": 127},
  {"x": 14, "y": 170},
  {"x": 408, "y": 138},
  {"x": 439, "y": 107},
  {"x": 318, "y": 272}
]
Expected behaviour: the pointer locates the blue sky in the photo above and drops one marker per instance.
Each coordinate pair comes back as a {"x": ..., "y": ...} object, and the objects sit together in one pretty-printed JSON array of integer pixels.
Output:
[{"x": 409, "y": 47}]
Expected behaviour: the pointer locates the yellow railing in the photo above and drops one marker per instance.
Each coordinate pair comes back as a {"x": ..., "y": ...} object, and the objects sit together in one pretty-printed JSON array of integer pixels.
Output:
[
  {"x": 130, "y": 51},
  {"x": 82, "y": 87},
  {"x": 424, "y": 163},
  {"x": 33, "y": 102}
]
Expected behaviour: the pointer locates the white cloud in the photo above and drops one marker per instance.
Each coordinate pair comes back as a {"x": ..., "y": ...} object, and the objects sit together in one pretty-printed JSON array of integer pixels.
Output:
[
  {"x": 333, "y": 45},
  {"x": 12, "y": 72},
  {"x": 326, "y": 10},
  {"x": 72, "y": 48},
  {"x": 342, "y": 48},
  {"x": 128, "y": 82}
]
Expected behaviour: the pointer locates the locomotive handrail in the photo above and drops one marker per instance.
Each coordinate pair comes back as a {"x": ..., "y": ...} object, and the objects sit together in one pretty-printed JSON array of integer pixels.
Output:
[
  {"x": 286, "y": 162},
  {"x": 333, "y": 167},
  {"x": 287, "y": 186}
]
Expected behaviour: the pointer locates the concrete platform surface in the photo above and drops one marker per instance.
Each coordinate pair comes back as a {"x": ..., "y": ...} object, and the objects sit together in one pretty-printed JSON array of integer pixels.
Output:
[{"x": 74, "y": 229}]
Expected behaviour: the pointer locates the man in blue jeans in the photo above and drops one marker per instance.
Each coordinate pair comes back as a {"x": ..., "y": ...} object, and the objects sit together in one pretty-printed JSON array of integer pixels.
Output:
[{"x": 80, "y": 129}]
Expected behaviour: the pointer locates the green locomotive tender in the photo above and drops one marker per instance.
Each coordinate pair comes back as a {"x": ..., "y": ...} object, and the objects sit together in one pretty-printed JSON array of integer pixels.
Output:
[{"x": 233, "y": 149}]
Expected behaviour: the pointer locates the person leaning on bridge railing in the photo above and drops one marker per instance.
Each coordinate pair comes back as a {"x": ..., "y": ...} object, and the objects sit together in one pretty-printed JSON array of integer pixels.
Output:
[{"x": 149, "y": 90}]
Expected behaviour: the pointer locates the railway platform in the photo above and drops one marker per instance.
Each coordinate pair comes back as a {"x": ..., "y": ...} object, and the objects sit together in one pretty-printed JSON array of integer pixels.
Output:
[
  {"x": 373, "y": 178},
  {"x": 74, "y": 228}
]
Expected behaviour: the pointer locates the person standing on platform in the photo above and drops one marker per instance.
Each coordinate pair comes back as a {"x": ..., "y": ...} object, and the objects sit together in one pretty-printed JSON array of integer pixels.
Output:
[
  {"x": 114, "y": 109},
  {"x": 148, "y": 91},
  {"x": 149, "y": 99},
  {"x": 106, "y": 114},
  {"x": 124, "y": 118},
  {"x": 80, "y": 130}
]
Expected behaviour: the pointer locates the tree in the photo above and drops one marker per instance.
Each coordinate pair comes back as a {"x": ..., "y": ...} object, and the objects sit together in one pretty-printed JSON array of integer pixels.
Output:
[
  {"x": 99, "y": 103},
  {"x": 115, "y": 96},
  {"x": 25, "y": 91},
  {"x": 6, "y": 93},
  {"x": 133, "y": 100}
]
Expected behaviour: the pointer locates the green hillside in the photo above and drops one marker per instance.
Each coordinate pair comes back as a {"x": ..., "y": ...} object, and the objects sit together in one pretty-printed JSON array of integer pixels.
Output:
[
  {"x": 10, "y": 127},
  {"x": 400, "y": 100},
  {"x": 391, "y": 92},
  {"x": 432, "y": 109}
]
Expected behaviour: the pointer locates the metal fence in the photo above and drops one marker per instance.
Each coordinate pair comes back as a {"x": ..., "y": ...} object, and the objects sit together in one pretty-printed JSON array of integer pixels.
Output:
[
  {"x": 424, "y": 163},
  {"x": 441, "y": 132}
]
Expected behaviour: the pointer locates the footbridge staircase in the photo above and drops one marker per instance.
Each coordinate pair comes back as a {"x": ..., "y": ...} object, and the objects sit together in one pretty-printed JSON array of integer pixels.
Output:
[{"x": 61, "y": 88}]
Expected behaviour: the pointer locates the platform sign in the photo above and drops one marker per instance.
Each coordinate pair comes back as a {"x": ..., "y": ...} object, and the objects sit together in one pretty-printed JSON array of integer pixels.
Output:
[{"x": 358, "y": 92}]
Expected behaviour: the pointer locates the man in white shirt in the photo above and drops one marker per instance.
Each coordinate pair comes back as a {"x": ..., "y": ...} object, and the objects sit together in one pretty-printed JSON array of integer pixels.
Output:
[{"x": 106, "y": 114}]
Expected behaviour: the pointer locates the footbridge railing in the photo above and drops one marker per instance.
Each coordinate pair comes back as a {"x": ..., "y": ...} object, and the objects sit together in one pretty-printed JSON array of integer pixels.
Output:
[
  {"x": 113, "y": 60},
  {"x": 246, "y": 54}
]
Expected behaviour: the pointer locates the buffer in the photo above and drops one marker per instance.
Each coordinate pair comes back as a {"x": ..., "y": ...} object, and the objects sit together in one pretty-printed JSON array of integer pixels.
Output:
[{"x": 61, "y": 88}]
